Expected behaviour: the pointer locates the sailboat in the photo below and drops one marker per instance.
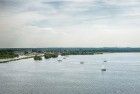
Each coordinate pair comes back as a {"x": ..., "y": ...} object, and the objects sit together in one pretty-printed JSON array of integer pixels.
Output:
[
  {"x": 59, "y": 58},
  {"x": 103, "y": 68}
]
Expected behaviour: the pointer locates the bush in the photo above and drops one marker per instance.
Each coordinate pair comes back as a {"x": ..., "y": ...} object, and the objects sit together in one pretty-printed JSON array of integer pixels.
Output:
[
  {"x": 51, "y": 55},
  {"x": 37, "y": 57}
]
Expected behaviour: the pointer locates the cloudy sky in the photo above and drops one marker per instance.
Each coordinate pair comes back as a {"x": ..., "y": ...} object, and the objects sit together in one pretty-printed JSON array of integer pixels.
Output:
[{"x": 69, "y": 23}]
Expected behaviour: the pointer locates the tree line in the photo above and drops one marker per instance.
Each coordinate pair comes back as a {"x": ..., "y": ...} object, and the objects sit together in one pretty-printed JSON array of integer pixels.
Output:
[{"x": 7, "y": 54}]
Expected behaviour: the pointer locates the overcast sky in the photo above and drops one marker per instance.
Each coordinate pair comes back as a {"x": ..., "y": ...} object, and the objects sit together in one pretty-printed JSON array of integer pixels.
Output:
[{"x": 69, "y": 23}]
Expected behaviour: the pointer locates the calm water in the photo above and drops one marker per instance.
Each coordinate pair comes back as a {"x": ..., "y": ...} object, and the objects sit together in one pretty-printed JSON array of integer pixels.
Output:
[{"x": 71, "y": 77}]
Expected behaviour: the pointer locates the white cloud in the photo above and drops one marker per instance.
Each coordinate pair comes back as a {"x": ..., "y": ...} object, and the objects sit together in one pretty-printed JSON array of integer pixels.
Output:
[{"x": 70, "y": 23}]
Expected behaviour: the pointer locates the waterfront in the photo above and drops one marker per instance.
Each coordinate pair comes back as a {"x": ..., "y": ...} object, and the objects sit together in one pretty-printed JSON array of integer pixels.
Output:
[{"x": 70, "y": 77}]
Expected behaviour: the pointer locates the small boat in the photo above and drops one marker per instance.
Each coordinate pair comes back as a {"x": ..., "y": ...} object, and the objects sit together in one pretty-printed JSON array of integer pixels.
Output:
[
  {"x": 59, "y": 56},
  {"x": 81, "y": 62},
  {"x": 103, "y": 68},
  {"x": 59, "y": 60},
  {"x": 105, "y": 61}
]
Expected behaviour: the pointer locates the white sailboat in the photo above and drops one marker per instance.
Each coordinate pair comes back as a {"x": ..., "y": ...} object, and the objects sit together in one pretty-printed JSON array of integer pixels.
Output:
[{"x": 59, "y": 58}]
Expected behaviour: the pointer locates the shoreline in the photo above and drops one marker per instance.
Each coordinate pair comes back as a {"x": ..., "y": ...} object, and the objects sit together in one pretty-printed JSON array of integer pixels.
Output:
[
  {"x": 16, "y": 59},
  {"x": 32, "y": 56}
]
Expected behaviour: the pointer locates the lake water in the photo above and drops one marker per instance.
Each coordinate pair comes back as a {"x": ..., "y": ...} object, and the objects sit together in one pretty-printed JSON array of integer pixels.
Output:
[{"x": 71, "y": 77}]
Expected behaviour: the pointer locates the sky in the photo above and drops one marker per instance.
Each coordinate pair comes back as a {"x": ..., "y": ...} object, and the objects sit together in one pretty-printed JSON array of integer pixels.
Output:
[{"x": 69, "y": 23}]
